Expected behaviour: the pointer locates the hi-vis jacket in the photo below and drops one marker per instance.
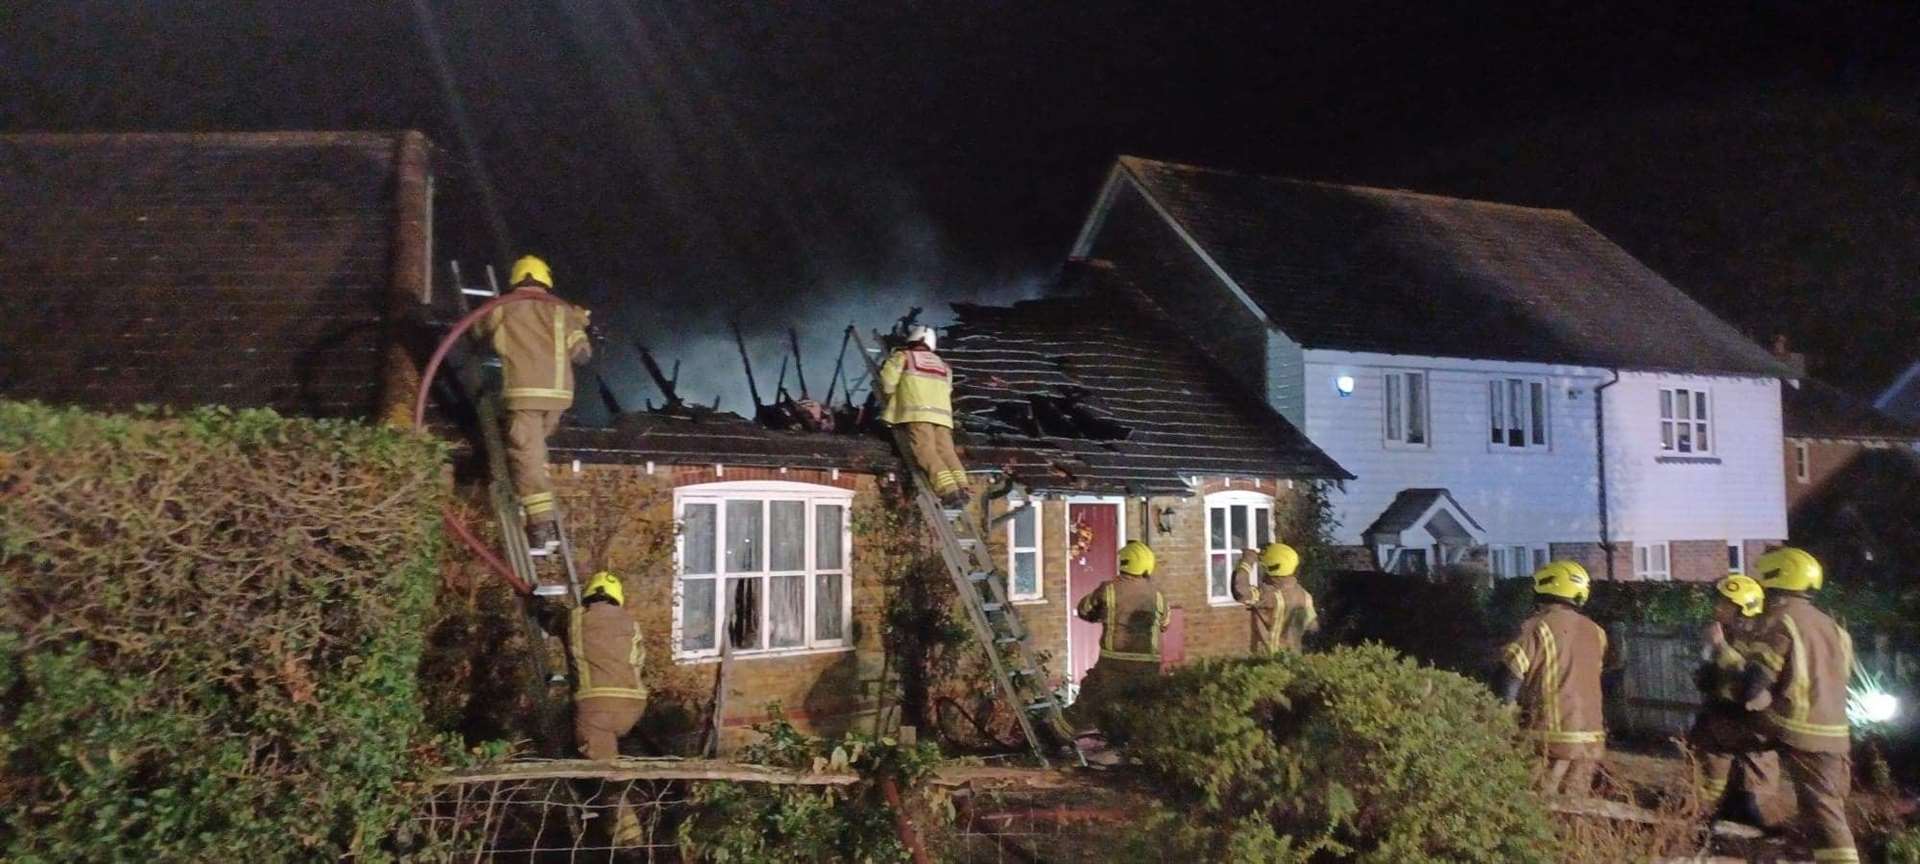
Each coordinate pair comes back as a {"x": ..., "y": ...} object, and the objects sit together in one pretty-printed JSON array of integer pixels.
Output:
[
  {"x": 1723, "y": 677},
  {"x": 538, "y": 343},
  {"x": 1282, "y": 610},
  {"x": 1810, "y": 657},
  {"x": 918, "y": 387},
  {"x": 1558, "y": 657},
  {"x": 606, "y": 652},
  {"x": 1132, "y": 613}
]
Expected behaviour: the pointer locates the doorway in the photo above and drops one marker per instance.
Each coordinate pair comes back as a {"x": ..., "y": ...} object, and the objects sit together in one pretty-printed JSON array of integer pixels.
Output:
[{"x": 1094, "y": 535}]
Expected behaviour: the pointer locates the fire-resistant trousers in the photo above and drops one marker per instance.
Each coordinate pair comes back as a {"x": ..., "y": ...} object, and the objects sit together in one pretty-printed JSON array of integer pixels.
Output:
[
  {"x": 931, "y": 447},
  {"x": 1572, "y": 777},
  {"x": 1821, "y": 782},
  {"x": 527, "y": 431},
  {"x": 1735, "y": 753},
  {"x": 599, "y": 721}
]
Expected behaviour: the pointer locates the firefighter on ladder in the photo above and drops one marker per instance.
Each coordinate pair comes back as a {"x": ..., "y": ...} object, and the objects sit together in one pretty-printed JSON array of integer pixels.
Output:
[
  {"x": 1797, "y": 694},
  {"x": 605, "y": 653},
  {"x": 539, "y": 343},
  {"x": 1737, "y": 766},
  {"x": 1132, "y": 614},
  {"x": 1552, "y": 670},
  {"x": 1283, "y": 612},
  {"x": 918, "y": 388}
]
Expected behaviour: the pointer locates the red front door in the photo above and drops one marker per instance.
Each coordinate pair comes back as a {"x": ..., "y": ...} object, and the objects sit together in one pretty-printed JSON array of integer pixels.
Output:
[{"x": 1093, "y": 545}]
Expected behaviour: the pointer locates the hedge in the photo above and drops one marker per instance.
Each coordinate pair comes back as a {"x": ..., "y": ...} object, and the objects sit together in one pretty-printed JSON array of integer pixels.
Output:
[{"x": 209, "y": 635}]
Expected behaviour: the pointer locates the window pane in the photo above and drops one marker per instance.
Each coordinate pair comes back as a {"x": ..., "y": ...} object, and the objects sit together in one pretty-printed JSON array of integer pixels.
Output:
[
  {"x": 1026, "y": 574},
  {"x": 1660, "y": 552},
  {"x": 1519, "y": 564},
  {"x": 1682, "y": 406},
  {"x": 788, "y": 535},
  {"x": 1516, "y": 409},
  {"x": 1539, "y": 408},
  {"x": 1240, "y": 535},
  {"x": 1733, "y": 558},
  {"x": 1684, "y": 442},
  {"x": 743, "y": 536},
  {"x": 1666, "y": 404},
  {"x": 1217, "y": 573},
  {"x": 1023, "y": 525},
  {"x": 788, "y": 616},
  {"x": 696, "y": 532},
  {"x": 696, "y": 615},
  {"x": 828, "y": 622},
  {"x": 1262, "y": 527},
  {"x": 1496, "y": 409},
  {"x": 1393, "y": 407},
  {"x": 1699, "y": 405},
  {"x": 744, "y": 614},
  {"x": 1416, "y": 408},
  {"x": 1217, "y": 528},
  {"x": 1539, "y": 558},
  {"x": 1640, "y": 558},
  {"x": 1700, "y": 437},
  {"x": 1666, "y": 434},
  {"x": 829, "y": 521}
]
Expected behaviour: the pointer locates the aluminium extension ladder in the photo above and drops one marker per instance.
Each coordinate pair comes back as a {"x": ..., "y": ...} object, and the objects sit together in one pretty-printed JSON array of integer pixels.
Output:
[{"x": 981, "y": 587}]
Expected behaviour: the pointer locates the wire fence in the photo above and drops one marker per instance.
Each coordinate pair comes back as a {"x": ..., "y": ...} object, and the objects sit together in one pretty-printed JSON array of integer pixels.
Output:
[{"x": 553, "y": 819}]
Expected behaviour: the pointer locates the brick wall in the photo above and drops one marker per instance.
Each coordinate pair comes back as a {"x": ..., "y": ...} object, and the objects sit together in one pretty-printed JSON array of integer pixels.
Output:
[
  {"x": 1697, "y": 560},
  {"x": 1825, "y": 458},
  {"x": 1592, "y": 557}
]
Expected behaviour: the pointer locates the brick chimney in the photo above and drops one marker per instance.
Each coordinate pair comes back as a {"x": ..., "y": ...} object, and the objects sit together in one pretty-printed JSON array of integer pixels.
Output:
[{"x": 1784, "y": 353}]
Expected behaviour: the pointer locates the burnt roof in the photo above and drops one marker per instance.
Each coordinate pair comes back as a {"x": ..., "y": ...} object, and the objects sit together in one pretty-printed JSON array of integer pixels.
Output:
[
  {"x": 1816, "y": 409},
  {"x": 182, "y": 269},
  {"x": 708, "y": 437},
  {"x": 1096, "y": 394},
  {"x": 1379, "y": 270}
]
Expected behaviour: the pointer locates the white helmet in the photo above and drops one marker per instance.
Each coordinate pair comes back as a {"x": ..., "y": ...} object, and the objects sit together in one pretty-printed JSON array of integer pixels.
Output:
[{"x": 922, "y": 333}]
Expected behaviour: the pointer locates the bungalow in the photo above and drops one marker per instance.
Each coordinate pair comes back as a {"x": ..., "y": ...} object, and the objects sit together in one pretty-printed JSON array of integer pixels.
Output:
[{"x": 1509, "y": 384}]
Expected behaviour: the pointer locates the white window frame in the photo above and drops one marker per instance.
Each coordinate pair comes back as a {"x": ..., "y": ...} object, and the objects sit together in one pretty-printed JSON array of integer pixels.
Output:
[
  {"x": 813, "y": 496},
  {"x": 1802, "y": 462},
  {"x": 1396, "y": 398},
  {"x": 1500, "y": 559},
  {"x": 1736, "y": 556},
  {"x": 1536, "y": 419},
  {"x": 1643, "y": 569},
  {"x": 1259, "y": 508},
  {"x": 1039, "y": 592},
  {"x": 1697, "y": 431}
]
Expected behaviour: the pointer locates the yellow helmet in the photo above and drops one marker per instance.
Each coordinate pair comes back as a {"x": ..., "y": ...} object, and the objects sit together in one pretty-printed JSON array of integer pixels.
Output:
[
  {"x": 1565, "y": 579},
  {"x": 1743, "y": 592},
  {"x": 1790, "y": 569},
  {"x": 1279, "y": 560},
  {"x": 607, "y": 584},
  {"x": 530, "y": 268},
  {"x": 1136, "y": 559}
]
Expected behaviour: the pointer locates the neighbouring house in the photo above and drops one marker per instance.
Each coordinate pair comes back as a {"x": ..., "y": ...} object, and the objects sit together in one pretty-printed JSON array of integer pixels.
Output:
[
  {"x": 272, "y": 270},
  {"x": 1509, "y": 385},
  {"x": 1853, "y": 485},
  {"x": 1093, "y": 422}
]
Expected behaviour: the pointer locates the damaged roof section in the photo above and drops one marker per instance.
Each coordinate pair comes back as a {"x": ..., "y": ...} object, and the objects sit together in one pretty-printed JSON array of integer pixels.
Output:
[
  {"x": 1093, "y": 394},
  {"x": 700, "y": 437}
]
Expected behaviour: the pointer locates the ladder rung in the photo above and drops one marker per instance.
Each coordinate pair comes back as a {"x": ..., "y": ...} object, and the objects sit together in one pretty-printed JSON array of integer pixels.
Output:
[
  {"x": 966, "y": 542},
  {"x": 1042, "y": 705},
  {"x": 1006, "y": 639},
  {"x": 953, "y": 513},
  {"x": 990, "y": 607},
  {"x": 979, "y": 576},
  {"x": 1028, "y": 672}
]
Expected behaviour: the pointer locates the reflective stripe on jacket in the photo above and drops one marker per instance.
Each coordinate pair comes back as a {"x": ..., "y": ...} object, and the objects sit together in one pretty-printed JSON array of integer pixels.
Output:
[
  {"x": 1811, "y": 657},
  {"x": 1558, "y": 657},
  {"x": 918, "y": 387},
  {"x": 607, "y": 652},
  {"x": 538, "y": 343},
  {"x": 1283, "y": 611},
  {"x": 1132, "y": 613}
]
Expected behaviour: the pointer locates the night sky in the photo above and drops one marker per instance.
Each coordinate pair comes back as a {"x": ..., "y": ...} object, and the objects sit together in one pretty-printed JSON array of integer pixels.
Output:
[{"x": 687, "y": 164}]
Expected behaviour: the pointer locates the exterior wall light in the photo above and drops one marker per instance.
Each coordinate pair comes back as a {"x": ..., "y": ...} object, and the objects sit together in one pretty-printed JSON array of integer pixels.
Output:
[{"x": 1343, "y": 385}]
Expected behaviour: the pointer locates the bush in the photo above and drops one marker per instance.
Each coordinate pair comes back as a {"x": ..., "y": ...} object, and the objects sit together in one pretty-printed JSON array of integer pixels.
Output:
[
  {"x": 1355, "y": 754},
  {"x": 210, "y": 634}
]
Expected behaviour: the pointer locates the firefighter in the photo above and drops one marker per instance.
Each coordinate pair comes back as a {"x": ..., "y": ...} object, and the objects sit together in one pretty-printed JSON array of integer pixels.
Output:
[
  {"x": 1738, "y": 768},
  {"x": 1132, "y": 614},
  {"x": 539, "y": 343},
  {"x": 1803, "y": 661},
  {"x": 605, "y": 653},
  {"x": 918, "y": 388},
  {"x": 1552, "y": 670},
  {"x": 1282, "y": 609}
]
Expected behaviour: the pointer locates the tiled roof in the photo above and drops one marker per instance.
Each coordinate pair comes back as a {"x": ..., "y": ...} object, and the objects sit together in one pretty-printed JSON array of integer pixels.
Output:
[
  {"x": 707, "y": 438},
  {"x": 1094, "y": 395},
  {"x": 1816, "y": 409},
  {"x": 239, "y": 269},
  {"x": 1360, "y": 269}
]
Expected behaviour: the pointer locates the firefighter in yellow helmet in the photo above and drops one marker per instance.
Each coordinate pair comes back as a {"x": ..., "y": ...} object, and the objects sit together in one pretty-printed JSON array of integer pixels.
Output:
[
  {"x": 1132, "y": 614},
  {"x": 1283, "y": 612},
  {"x": 539, "y": 343},
  {"x": 1803, "y": 660},
  {"x": 605, "y": 654},
  {"x": 918, "y": 388},
  {"x": 1552, "y": 670},
  {"x": 1738, "y": 769}
]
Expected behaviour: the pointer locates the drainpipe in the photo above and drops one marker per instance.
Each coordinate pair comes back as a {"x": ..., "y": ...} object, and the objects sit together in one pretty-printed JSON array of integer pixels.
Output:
[{"x": 1600, "y": 436}]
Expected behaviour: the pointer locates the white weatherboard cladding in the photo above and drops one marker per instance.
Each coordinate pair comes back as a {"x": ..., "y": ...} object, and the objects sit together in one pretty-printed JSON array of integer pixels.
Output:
[
  {"x": 1534, "y": 496},
  {"x": 1285, "y": 382},
  {"x": 1739, "y": 495}
]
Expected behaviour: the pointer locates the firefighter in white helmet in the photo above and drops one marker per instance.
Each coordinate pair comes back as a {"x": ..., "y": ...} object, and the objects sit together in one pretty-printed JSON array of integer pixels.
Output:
[
  {"x": 1552, "y": 669},
  {"x": 918, "y": 388}
]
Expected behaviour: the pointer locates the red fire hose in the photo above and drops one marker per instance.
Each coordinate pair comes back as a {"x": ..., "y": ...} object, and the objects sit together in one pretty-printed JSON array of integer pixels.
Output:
[{"x": 447, "y": 514}]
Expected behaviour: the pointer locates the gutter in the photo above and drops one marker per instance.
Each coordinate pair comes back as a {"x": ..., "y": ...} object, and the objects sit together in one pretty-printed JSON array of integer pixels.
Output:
[{"x": 1600, "y": 437}]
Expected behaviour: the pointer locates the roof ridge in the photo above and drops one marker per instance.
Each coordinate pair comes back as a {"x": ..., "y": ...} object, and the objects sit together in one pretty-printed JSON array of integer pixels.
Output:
[{"x": 1351, "y": 187}]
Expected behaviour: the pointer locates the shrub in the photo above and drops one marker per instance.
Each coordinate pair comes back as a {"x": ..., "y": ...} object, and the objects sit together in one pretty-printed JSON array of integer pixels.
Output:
[
  {"x": 1355, "y": 754},
  {"x": 210, "y": 633}
]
